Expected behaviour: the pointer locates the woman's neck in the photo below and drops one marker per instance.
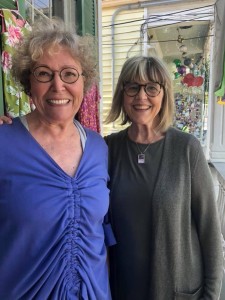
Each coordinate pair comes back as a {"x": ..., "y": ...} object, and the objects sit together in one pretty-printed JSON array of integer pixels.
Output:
[
  {"x": 37, "y": 124},
  {"x": 143, "y": 134}
]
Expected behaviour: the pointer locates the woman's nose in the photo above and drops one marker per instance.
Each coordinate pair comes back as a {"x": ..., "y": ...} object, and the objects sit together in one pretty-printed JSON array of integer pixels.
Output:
[
  {"x": 57, "y": 82},
  {"x": 142, "y": 92}
]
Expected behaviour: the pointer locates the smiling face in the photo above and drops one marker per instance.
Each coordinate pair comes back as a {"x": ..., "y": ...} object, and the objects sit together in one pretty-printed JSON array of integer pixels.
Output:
[
  {"x": 57, "y": 101},
  {"x": 143, "y": 109}
]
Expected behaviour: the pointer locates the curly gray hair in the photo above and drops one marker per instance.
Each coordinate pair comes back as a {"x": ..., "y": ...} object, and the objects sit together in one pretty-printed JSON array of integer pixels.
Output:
[{"x": 49, "y": 34}]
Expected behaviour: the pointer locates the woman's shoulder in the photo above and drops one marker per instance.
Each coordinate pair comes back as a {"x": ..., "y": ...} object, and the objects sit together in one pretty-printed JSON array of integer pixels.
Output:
[
  {"x": 179, "y": 142},
  {"x": 116, "y": 137},
  {"x": 12, "y": 126},
  {"x": 181, "y": 136}
]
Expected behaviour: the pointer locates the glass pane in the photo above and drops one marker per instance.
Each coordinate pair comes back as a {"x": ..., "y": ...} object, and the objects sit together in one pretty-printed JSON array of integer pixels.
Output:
[{"x": 184, "y": 40}]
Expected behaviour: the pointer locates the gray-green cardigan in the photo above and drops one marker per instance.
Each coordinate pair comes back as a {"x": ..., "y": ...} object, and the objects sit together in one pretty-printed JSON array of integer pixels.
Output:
[{"x": 186, "y": 239}]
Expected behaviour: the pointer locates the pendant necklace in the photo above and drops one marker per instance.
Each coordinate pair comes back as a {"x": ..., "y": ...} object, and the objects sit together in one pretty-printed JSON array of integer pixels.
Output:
[{"x": 141, "y": 154}]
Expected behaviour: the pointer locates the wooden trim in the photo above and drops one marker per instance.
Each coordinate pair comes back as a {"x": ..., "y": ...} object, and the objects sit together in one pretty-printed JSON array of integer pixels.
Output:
[{"x": 117, "y": 3}]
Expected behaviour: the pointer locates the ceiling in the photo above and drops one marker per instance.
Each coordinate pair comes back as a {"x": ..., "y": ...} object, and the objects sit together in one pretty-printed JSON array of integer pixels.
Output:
[{"x": 180, "y": 34}]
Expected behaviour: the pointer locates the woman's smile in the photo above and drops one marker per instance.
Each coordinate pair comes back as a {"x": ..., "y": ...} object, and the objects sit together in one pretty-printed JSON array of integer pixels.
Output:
[
  {"x": 58, "y": 101},
  {"x": 141, "y": 107}
]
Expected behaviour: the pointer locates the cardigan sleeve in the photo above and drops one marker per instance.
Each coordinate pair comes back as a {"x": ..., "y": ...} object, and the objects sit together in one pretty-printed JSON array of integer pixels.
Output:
[{"x": 205, "y": 213}]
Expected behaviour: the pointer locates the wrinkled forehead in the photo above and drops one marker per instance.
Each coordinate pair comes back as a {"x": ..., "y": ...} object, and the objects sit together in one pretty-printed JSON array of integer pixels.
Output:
[{"x": 51, "y": 49}]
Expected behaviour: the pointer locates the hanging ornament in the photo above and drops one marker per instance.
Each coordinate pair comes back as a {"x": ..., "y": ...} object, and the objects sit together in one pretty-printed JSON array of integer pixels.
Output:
[
  {"x": 198, "y": 81},
  {"x": 177, "y": 62},
  {"x": 184, "y": 54},
  {"x": 183, "y": 48},
  {"x": 180, "y": 39},
  {"x": 221, "y": 100},
  {"x": 187, "y": 62},
  {"x": 181, "y": 70},
  {"x": 191, "y": 80},
  {"x": 176, "y": 75}
]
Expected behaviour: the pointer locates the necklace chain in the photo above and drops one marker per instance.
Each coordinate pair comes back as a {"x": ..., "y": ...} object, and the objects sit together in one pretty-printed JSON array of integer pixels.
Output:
[
  {"x": 151, "y": 141},
  {"x": 142, "y": 152}
]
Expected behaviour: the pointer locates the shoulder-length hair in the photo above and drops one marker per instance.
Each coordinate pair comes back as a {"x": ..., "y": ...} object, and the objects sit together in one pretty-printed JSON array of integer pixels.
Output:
[
  {"x": 144, "y": 69},
  {"x": 48, "y": 35}
]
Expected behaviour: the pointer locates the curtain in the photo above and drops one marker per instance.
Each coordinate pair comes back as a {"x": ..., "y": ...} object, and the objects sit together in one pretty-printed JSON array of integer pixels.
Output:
[
  {"x": 88, "y": 114},
  {"x": 17, "y": 103}
]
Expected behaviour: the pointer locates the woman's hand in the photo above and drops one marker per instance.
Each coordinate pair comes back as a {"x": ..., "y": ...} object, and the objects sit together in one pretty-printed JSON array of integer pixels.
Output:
[{"x": 4, "y": 119}]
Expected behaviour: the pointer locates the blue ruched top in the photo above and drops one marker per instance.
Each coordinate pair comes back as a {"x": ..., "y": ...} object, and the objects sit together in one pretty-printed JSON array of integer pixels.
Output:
[{"x": 51, "y": 233}]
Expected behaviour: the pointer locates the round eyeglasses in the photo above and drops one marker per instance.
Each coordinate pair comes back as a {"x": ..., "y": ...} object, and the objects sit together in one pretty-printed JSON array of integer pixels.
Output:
[
  {"x": 45, "y": 74},
  {"x": 152, "y": 89}
]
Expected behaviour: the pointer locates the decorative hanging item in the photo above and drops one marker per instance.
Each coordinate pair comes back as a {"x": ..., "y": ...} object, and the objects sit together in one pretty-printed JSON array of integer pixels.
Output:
[
  {"x": 16, "y": 101},
  {"x": 183, "y": 48},
  {"x": 220, "y": 92},
  {"x": 189, "y": 115},
  {"x": 176, "y": 75},
  {"x": 88, "y": 114},
  {"x": 221, "y": 100},
  {"x": 187, "y": 62},
  {"x": 191, "y": 80},
  {"x": 177, "y": 62},
  {"x": 181, "y": 70}
]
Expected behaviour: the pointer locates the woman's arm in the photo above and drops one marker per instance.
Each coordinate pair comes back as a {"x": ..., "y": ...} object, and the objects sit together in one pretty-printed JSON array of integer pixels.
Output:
[{"x": 205, "y": 213}]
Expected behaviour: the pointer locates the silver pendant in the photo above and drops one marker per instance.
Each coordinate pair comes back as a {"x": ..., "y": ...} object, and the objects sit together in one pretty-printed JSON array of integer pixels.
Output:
[{"x": 141, "y": 158}]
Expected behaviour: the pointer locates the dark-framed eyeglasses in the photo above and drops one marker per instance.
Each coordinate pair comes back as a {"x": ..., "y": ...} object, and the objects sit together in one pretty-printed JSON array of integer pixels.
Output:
[
  {"x": 45, "y": 74},
  {"x": 152, "y": 89}
]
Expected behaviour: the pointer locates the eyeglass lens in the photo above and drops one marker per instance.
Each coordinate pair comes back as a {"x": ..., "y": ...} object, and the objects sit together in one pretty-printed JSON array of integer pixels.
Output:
[
  {"x": 151, "y": 89},
  {"x": 45, "y": 74}
]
